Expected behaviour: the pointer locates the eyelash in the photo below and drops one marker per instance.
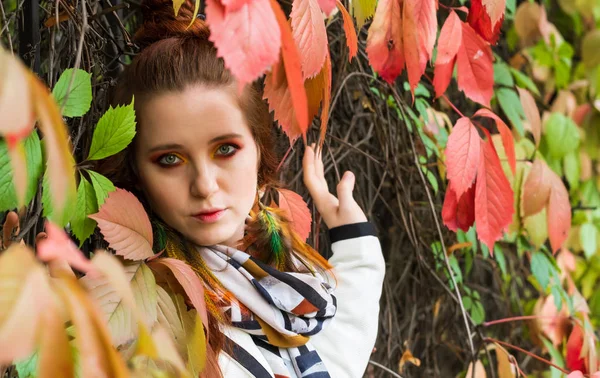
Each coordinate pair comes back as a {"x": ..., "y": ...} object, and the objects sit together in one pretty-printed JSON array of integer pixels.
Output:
[{"x": 225, "y": 156}]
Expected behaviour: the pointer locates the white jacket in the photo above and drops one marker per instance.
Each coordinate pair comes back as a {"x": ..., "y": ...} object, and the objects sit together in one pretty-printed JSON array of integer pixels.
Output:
[{"x": 346, "y": 342}]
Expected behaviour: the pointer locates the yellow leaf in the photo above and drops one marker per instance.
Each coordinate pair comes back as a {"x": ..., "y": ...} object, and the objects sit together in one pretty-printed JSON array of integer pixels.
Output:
[
  {"x": 167, "y": 350},
  {"x": 19, "y": 168},
  {"x": 177, "y": 5},
  {"x": 362, "y": 10},
  {"x": 20, "y": 277},
  {"x": 407, "y": 356}
]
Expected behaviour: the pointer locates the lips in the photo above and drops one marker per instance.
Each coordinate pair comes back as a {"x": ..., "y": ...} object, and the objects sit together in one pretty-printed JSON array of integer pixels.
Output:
[{"x": 210, "y": 216}]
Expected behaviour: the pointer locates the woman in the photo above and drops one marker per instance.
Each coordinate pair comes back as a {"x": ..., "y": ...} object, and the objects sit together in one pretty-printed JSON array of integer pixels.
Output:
[{"x": 200, "y": 158}]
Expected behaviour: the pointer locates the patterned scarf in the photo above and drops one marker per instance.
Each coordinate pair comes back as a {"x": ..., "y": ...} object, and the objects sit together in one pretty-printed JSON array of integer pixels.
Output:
[{"x": 279, "y": 310}]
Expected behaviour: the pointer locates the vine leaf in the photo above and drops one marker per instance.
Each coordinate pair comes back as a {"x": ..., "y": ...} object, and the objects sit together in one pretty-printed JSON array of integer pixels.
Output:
[
  {"x": 419, "y": 29},
  {"x": 351, "y": 38},
  {"x": 449, "y": 40},
  {"x": 573, "y": 359},
  {"x": 58, "y": 246},
  {"x": 246, "y": 36},
  {"x": 125, "y": 225},
  {"x": 536, "y": 189},
  {"x": 462, "y": 155},
  {"x": 494, "y": 205},
  {"x": 459, "y": 213},
  {"x": 532, "y": 114},
  {"x": 559, "y": 213},
  {"x": 384, "y": 40},
  {"x": 297, "y": 212},
  {"x": 310, "y": 35},
  {"x": 475, "y": 68},
  {"x": 507, "y": 139},
  {"x": 485, "y": 17}
]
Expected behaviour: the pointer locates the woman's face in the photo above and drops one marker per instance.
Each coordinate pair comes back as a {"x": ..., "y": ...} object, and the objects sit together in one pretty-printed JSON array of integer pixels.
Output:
[{"x": 198, "y": 163}]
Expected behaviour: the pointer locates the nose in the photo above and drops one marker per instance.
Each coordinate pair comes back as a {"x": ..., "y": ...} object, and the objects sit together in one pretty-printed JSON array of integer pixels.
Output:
[{"x": 204, "y": 181}]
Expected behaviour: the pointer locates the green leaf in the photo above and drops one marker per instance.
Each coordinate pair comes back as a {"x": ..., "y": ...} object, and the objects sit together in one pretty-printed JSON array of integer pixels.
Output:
[
  {"x": 33, "y": 157},
  {"x": 80, "y": 94},
  {"x": 556, "y": 357},
  {"x": 540, "y": 268},
  {"x": 502, "y": 75},
  {"x": 524, "y": 81},
  {"x": 86, "y": 204},
  {"x": 48, "y": 210},
  {"x": 511, "y": 106},
  {"x": 477, "y": 313},
  {"x": 572, "y": 169},
  {"x": 27, "y": 368},
  {"x": 499, "y": 256},
  {"x": 562, "y": 73},
  {"x": 561, "y": 135},
  {"x": 588, "y": 235},
  {"x": 114, "y": 132},
  {"x": 102, "y": 186}
]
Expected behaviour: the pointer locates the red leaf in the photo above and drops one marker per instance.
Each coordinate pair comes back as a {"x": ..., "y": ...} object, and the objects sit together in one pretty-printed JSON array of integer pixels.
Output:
[
  {"x": 559, "y": 213},
  {"x": 573, "y": 359},
  {"x": 246, "y": 36},
  {"x": 419, "y": 29},
  {"x": 384, "y": 40},
  {"x": 494, "y": 205},
  {"x": 481, "y": 22},
  {"x": 442, "y": 74},
  {"x": 461, "y": 213},
  {"x": 475, "y": 70},
  {"x": 462, "y": 155},
  {"x": 297, "y": 212},
  {"x": 310, "y": 35},
  {"x": 536, "y": 189},
  {"x": 449, "y": 40},
  {"x": 507, "y": 139},
  {"x": 166, "y": 268},
  {"x": 351, "y": 39},
  {"x": 125, "y": 225},
  {"x": 327, "y": 6},
  {"x": 495, "y": 10},
  {"x": 326, "y": 99}
]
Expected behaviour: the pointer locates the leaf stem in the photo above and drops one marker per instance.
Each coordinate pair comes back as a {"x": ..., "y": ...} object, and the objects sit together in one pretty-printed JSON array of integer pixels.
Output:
[
  {"x": 517, "y": 318},
  {"x": 446, "y": 98}
]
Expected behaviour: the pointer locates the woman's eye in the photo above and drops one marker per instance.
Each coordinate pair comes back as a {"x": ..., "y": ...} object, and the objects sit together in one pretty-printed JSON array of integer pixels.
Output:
[
  {"x": 226, "y": 150},
  {"x": 169, "y": 159}
]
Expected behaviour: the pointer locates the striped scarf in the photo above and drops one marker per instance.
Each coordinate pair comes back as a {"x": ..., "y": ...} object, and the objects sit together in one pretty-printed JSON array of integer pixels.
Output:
[{"x": 279, "y": 310}]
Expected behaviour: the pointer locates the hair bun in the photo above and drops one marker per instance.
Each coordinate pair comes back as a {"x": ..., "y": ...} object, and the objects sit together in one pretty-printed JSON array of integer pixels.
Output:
[{"x": 160, "y": 22}]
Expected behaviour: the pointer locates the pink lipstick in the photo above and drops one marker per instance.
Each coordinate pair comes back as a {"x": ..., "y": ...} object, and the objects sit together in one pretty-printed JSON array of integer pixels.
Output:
[{"x": 210, "y": 216}]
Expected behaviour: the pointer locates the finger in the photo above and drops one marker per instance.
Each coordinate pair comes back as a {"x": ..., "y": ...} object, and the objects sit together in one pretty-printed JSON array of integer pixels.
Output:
[
  {"x": 345, "y": 189},
  {"x": 10, "y": 224}
]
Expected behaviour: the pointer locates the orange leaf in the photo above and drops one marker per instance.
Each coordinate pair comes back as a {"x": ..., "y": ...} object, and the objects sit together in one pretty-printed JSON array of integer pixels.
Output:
[
  {"x": 351, "y": 38},
  {"x": 475, "y": 69},
  {"x": 419, "y": 29},
  {"x": 326, "y": 99},
  {"x": 532, "y": 114},
  {"x": 125, "y": 225},
  {"x": 168, "y": 268},
  {"x": 310, "y": 35},
  {"x": 57, "y": 246},
  {"x": 462, "y": 155},
  {"x": 559, "y": 213},
  {"x": 442, "y": 74},
  {"x": 384, "y": 40},
  {"x": 494, "y": 205},
  {"x": 246, "y": 37},
  {"x": 297, "y": 212},
  {"x": 476, "y": 370},
  {"x": 55, "y": 358},
  {"x": 507, "y": 138},
  {"x": 281, "y": 93},
  {"x": 536, "y": 189}
]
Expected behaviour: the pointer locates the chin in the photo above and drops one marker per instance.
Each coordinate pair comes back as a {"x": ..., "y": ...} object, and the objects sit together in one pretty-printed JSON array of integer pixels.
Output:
[{"x": 218, "y": 236}]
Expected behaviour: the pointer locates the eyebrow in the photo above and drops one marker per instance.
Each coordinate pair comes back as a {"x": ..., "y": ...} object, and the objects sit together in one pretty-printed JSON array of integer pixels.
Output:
[{"x": 175, "y": 146}]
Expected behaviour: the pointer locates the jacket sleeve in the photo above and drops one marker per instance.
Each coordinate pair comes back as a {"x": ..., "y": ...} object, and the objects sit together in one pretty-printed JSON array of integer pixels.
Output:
[{"x": 346, "y": 343}]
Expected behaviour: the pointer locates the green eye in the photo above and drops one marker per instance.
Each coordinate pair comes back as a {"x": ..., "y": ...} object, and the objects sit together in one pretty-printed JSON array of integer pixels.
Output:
[
  {"x": 226, "y": 149},
  {"x": 169, "y": 159}
]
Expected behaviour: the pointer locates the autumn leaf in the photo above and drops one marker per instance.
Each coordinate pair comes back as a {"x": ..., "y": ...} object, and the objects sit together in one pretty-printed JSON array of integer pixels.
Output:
[
  {"x": 442, "y": 74},
  {"x": 573, "y": 359},
  {"x": 419, "y": 29},
  {"x": 363, "y": 10},
  {"x": 494, "y": 205},
  {"x": 485, "y": 17},
  {"x": 476, "y": 370},
  {"x": 58, "y": 246},
  {"x": 384, "y": 40},
  {"x": 532, "y": 114},
  {"x": 536, "y": 189},
  {"x": 310, "y": 35},
  {"x": 176, "y": 272},
  {"x": 505, "y": 134},
  {"x": 462, "y": 155},
  {"x": 351, "y": 38},
  {"x": 459, "y": 214},
  {"x": 559, "y": 213},
  {"x": 475, "y": 69},
  {"x": 246, "y": 37},
  {"x": 450, "y": 39},
  {"x": 125, "y": 225},
  {"x": 326, "y": 99},
  {"x": 297, "y": 212},
  {"x": 327, "y": 6},
  {"x": 284, "y": 85}
]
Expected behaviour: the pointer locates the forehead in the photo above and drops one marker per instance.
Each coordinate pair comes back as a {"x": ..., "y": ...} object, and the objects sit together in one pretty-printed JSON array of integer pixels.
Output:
[{"x": 195, "y": 114}]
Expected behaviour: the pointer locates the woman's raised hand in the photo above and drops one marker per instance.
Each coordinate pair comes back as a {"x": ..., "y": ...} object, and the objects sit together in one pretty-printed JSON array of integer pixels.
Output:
[{"x": 336, "y": 211}]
